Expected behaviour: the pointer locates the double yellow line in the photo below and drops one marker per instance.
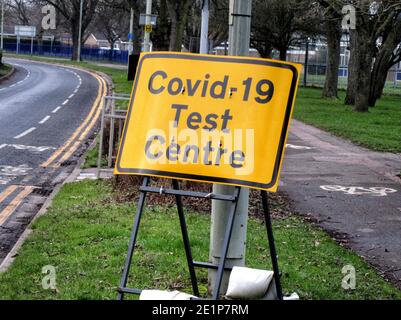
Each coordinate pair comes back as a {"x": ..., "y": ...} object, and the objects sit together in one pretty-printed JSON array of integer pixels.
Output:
[
  {"x": 14, "y": 203},
  {"x": 73, "y": 143}
]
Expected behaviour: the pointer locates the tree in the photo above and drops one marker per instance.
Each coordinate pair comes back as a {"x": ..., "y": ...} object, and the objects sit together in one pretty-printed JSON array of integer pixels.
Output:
[
  {"x": 375, "y": 22},
  {"x": 70, "y": 10},
  {"x": 161, "y": 35},
  {"x": 279, "y": 23},
  {"x": 333, "y": 33},
  {"x": 388, "y": 55},
  {"x": 178, "y": 12}
]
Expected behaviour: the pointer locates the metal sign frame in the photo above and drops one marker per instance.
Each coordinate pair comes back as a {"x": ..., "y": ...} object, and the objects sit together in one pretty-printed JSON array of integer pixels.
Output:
[{"x": 221, "y": 267}]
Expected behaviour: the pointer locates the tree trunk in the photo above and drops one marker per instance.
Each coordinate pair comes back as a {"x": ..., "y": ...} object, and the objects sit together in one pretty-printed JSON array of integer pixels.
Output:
[
  {"x": 365, "y": 56},
  {"x": 111, "y": 52},
  {"x": 333, "y": 35},
  {"x": 378, "y": 79},
  {"x": 352, "y": 70},
  {"x": 162, "y": 33},
  {"x": 383, "y": 64},
  {"x": 178, "y": 11},
  {"x": 283, "y": 54},
  {"x": 75, "y": 41}
]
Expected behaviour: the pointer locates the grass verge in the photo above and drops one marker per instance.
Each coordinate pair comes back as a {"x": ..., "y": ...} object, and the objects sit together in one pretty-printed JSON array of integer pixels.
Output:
[
  {"x": 379, "y": 129},
  {"x": 4, "y": 70},
  {"x": 85, "y": 236}
]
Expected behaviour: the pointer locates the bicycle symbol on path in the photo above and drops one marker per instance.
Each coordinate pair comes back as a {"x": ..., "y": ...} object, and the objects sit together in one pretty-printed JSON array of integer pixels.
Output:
[{"x": 357, "y": 191}]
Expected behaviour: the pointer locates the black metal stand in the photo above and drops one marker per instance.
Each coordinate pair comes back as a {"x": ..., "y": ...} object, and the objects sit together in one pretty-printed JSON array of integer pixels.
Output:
[{"x": 221, "y": 267}]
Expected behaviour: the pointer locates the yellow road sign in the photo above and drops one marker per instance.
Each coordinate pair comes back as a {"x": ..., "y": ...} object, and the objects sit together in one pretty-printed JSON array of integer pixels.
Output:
[
  {"x": 209, "y": 118},
  {"x": 148, "y": 28}
]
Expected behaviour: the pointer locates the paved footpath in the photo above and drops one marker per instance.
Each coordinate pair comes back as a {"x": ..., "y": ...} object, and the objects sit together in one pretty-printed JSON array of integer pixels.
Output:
[{"x": 352, "y": 192}]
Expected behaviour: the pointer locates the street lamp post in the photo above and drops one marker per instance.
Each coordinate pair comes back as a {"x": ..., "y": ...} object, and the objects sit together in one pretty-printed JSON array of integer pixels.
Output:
[
  {"x": 2, "y": 26},
  {"x": 80, "y": 30},
  {"x": 148, "y": 21}
]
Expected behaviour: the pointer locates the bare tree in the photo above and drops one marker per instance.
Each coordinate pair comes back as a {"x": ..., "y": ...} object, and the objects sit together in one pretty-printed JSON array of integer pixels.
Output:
[
  {"x": 279, "y": 23},
  {"x": 333, "y": 33},
  {"x": 178, "y": 12},
  {"x": 70, "y": 10},
  {"x": 376, "y": 24}
]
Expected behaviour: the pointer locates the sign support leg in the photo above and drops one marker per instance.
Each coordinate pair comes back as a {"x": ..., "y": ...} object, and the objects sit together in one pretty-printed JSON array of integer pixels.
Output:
[
  {"x": 132, "y": 242},
  {"x": 185, "y": 238},
  {"x": 272, "y": 246}
]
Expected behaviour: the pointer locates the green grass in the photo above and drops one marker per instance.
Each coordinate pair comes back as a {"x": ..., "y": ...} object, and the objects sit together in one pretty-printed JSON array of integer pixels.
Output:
[
  {"x": 85, "y": 236},
  {"x": 379, "y": 129},
  {"x": 91, "y": 157},
  {"x": 4, "y": 70}
]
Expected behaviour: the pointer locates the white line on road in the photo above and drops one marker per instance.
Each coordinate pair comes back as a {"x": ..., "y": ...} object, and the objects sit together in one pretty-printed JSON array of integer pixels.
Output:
[
  {"x": 71, "y": 95},
  {"x": 25, "y": 133},
  {"x": 44, "y": 120},
  {"x": 56, "y": 110},
  {"x": 65, "y": 102},
  {"x": 3, "y": 146}
]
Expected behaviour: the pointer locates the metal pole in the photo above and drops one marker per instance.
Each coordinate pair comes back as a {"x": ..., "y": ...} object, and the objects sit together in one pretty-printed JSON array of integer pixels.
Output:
[
  {"x": 239, "y": 41},
  {"x": 204, "y": 39},
  {"x": 80, "y": 30},
  {"x": 131, "y": 34},
  {"x": 148, "y": 21},
  {"x": 2, "y": 25},
  {"x": 306, "y": 63}
]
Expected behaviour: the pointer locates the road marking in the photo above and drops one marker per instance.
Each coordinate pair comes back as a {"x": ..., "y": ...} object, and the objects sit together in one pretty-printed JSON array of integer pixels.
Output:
[
  {"x": 357, "y": 191},
  {"x": 6, "y": 193},
  {"x": 87, "y": 176},
  {"x": 95, "y": 112},
  {"x": 56, "y": 110},
  {"x": 65, "y": 102},
  {"x": 13, "y": 205},
  {"x": 3, "y": 146},
  {"x": 25, "y": 133},
  {"x": 291, "y": 146},
  {"x": 68, "y": 154},
  {"x": 33, "y": 149},
  {"x": 21, "y": 81},
  {"x": 44, "y": 120},
  {"x": 9, "y": 173},
  {"x": 71, "y": 95}
]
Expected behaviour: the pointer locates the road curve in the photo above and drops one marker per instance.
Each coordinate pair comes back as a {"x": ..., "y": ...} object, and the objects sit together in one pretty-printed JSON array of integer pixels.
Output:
[{"x": 47, "y": 112}]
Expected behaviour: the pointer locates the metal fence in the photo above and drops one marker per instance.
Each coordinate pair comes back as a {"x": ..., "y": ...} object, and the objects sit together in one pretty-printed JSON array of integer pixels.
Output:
[
  {"x": 65, "y": 51},
  {"x": 315, "y": 56},
  {"x": 112, "y": 123}
]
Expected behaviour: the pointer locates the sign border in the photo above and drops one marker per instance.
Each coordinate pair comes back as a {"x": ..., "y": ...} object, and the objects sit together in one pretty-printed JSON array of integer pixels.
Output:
[{"x": 208, "y": 179}]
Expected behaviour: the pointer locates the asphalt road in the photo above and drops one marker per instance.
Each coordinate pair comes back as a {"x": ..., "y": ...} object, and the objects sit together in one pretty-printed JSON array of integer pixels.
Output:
[
  {"x": 47, "y": 112},
  {"x": 352, "y": 192}
]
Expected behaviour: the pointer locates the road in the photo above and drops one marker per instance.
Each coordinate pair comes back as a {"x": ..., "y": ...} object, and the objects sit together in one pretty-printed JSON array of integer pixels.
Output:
[
  {"x": 351, "y": 192},
  {"x": 47, "y": 112}
]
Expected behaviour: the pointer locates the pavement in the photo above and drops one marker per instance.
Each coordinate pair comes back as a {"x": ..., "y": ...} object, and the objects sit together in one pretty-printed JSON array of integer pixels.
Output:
[
  {"x": 47, "y": 114},
  {"x": 352, "y": 192}
]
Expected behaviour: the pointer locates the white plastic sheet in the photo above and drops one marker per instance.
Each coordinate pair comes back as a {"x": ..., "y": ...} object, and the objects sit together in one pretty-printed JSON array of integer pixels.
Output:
[{"x": 248, "y": 283}]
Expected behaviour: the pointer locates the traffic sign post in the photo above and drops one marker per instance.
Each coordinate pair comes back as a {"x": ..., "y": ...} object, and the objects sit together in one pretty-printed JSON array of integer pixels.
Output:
[{"x": 211, "y": 119}]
